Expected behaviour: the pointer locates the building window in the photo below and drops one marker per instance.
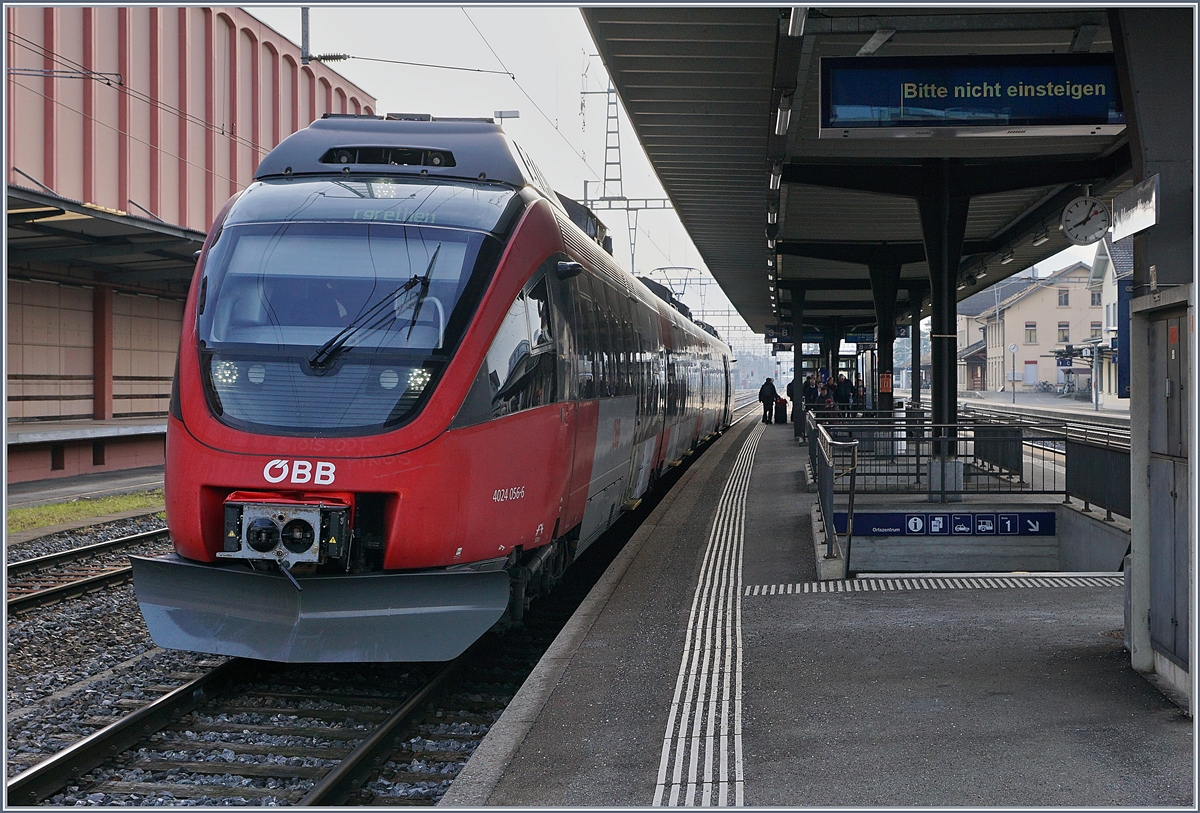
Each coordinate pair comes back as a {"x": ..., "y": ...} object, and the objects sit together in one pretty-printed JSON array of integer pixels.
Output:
[
  {"x": 1031, "y": 333},
  {"x": 1097, "y": 330},
  {"x": 1095, "y": 299},
  {"x": 1064, "y": 332},
  {"x": 1064, "y": 297}
]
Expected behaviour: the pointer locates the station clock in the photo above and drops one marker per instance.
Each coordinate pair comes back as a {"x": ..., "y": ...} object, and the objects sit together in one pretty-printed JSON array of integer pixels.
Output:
[{"x": 1085, "y": 220}]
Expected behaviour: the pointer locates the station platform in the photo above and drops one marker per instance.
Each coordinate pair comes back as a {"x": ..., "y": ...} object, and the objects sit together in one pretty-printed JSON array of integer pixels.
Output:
[
  {"x": 1047, "y": 405},
  {"x": 80, "y": 486},
  {"x": 706, "y": 669}
]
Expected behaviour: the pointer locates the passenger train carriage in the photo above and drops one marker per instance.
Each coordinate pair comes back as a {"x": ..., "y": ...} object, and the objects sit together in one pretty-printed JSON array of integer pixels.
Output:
[{"x": 410, "y": 391}]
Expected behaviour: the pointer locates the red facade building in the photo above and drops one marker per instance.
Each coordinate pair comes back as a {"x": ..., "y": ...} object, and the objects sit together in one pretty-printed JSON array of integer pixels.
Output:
[{"x": 127, "y": 128}]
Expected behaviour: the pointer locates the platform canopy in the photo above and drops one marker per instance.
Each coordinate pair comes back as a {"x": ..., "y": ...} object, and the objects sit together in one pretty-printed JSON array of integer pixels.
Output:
[
  {"x": 703, "y": 88},
  {"x": 51, "y": 237}
]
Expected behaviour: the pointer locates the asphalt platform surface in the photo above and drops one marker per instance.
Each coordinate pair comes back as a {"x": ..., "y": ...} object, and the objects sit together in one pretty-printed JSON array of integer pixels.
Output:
[
  {"x": 81, "y": 486},
  {"x": 963, "y": 697}
]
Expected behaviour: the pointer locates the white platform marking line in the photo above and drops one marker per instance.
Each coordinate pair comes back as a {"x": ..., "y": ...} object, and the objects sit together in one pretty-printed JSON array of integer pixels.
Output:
[{"x": 714, "y": 625}]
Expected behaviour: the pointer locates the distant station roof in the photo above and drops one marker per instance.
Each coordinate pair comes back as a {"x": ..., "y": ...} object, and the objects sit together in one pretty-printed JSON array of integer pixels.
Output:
[
  {"x": 707, "y": 90},
  {"x": 50, "y": 236}
]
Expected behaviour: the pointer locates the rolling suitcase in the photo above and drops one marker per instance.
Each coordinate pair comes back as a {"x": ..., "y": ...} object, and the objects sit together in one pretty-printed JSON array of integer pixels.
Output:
[{"x": 781, "y": 410}]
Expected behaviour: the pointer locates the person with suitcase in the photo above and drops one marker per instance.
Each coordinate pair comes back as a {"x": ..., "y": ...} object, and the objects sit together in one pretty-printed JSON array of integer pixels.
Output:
[
  {"x": 767, "y": 397},
  {"x": 780, "y": 410}
]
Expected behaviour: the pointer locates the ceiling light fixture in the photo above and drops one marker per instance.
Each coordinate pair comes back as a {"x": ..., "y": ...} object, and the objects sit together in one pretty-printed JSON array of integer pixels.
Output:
[
  {"x": 772, "y": 217},
  {"x": 796, "y": 23},
  {"x": 1042, "y": 238},
  {"x": 1007, "y": 258},
  {"x": 771, "y": 244},
  {"x": 776, "y": 174}
]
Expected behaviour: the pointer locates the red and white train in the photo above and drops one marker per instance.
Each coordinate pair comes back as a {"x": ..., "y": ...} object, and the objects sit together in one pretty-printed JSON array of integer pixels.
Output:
[{"x": 410, "y": 391}]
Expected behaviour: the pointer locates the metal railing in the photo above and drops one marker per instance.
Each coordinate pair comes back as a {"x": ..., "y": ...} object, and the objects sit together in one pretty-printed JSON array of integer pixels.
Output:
[
  {"x": 836, "y": 460},
  {"x": 902, "y": 454}
]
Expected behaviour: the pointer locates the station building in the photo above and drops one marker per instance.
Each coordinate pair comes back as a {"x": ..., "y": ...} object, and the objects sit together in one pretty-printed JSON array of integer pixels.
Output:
[
  {"x": 128, "y": 128},
  {"x": 1042, "y": 316}
]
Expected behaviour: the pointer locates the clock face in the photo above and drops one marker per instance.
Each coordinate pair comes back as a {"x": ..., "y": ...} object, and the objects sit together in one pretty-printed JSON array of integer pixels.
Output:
[{"x": 1085, "y": 220}]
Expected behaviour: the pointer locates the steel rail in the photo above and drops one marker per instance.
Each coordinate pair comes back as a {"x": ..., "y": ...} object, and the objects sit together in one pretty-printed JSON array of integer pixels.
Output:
[
  {"x": 372, "y": 752},
  {"x": 23, "y": 603},
  {"x": 53, "y": 774},
  {"x": 26, "y": 566}
]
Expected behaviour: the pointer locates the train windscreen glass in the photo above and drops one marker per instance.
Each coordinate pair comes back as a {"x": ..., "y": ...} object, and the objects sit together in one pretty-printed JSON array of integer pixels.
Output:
[{"x": 338, "y": 324}]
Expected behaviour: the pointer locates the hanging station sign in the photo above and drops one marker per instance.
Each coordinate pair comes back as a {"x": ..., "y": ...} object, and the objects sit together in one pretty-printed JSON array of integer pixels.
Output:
[
  {"x": 939, "y": 96},
  {"x": 781, "y": 332}
]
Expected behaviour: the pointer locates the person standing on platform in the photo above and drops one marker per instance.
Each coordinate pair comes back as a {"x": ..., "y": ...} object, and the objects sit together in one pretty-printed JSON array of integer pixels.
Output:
[
  {"x": 810, "y": 392},
  {"x": 767, "y": 396},
  {"x": 843, "y": 393}
]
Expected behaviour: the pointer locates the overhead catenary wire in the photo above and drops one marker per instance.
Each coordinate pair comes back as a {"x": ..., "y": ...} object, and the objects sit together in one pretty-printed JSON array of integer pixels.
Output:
[
  {"x": 121, "y": 87},
  {"x": 130, "y": 136},
  {"x": 323, "y": 58},
  {"x": 549, "y": 121}
]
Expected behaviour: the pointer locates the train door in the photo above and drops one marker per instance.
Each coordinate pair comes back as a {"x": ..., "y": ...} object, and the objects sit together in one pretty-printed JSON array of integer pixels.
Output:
[{"x": 727, "y": 412}]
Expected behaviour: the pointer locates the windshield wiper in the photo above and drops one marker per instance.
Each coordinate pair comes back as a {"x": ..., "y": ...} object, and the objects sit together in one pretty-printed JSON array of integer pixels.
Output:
[
  {"x": 424, "y": 291},
  {"x": 326, "y": 353}
]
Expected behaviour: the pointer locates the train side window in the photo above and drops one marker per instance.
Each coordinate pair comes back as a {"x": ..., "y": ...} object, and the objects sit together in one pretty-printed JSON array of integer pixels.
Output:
[
  {"x": 538, "y": 312},
  {"x": 585, "y": 332},
  {"x": 521, "y": 364},
  {"x": 605, "y": 373}
]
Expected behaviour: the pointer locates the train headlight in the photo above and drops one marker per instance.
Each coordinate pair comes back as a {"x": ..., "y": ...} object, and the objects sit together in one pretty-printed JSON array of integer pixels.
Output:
[
  {"x": 418, "y": 378},
  {"x": 388, "y": 379},
  {"x": 257, "y": 374},
  {"x": 298, "y": 536},
  {"x": 262, "y": 534},
  {"x": 225, "y": 372}
]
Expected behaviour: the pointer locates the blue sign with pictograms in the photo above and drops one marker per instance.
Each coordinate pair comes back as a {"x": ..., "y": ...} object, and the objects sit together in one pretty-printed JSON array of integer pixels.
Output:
[{"x": 895, "y": 523}]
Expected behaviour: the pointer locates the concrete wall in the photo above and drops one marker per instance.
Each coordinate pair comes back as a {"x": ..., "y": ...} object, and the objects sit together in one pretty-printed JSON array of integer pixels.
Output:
[
  {"x": 49, "y": 351},
  {"x": 1082, "y": 543},
  {"x": 34, "y": 461},
  {"x": 50, "y": 358},
  {"x": 145, "y": 341},
  {"x": 1088, "y": 544}
]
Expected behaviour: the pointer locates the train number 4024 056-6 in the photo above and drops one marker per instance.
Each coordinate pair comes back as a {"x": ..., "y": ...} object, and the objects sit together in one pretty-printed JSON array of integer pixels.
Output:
[{"x": 506, "y": 494}]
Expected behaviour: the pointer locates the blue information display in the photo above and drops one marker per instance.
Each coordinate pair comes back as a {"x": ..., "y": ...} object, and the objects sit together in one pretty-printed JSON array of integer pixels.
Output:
[
  {"x": 1021, "y": 91},
  {"x": 1016, "y": 523}
]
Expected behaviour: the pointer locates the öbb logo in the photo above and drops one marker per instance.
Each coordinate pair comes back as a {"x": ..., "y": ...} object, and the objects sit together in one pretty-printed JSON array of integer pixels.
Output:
[{"x": 302, "y": 471}]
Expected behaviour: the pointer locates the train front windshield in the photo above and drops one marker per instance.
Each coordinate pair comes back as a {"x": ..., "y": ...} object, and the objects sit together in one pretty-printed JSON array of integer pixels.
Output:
[{"x": 341, "y": 322}]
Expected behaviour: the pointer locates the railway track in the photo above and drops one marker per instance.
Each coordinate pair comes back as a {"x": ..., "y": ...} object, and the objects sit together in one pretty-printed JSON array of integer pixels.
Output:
[
  {"x": 306, "y": 735},
  {"x": 356, "y": 734},
  {"x": 249, "y": 730},
  {"x": 56, "y": 577}
]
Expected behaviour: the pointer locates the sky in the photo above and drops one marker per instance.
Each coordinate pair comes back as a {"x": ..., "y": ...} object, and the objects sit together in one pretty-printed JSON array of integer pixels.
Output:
[{"x": 551, "y": 57}]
